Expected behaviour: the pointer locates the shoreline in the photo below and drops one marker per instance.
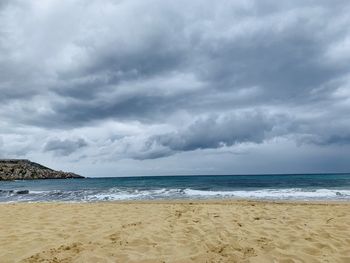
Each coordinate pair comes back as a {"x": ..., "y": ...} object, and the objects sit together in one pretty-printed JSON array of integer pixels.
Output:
[{"x": 189, "y": 202}]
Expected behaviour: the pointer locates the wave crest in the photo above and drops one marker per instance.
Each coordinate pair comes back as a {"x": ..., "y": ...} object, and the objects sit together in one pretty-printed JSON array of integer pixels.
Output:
[{"x": 117, "y": 194}]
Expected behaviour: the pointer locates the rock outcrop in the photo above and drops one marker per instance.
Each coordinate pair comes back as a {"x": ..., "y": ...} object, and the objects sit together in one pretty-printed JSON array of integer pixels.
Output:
[{"x": 18, "y": 169}]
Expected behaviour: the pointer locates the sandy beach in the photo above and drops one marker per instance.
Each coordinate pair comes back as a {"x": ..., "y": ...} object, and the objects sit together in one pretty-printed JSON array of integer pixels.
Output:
[{"x": 202, "y": 231}]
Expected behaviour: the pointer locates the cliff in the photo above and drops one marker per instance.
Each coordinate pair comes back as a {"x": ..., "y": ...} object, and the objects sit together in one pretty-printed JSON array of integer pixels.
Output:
[{"x": 17, "y": 169}]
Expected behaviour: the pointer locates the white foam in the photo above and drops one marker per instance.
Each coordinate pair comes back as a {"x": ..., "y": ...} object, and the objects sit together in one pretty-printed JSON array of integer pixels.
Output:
[
  {"x": 291, "y": 193},
  {"x": 116, "y": 194},
  {"x": 175, "y": 193}
]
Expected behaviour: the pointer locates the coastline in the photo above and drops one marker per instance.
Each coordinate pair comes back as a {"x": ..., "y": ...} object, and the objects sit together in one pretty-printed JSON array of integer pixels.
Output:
[{"x": 176, "y": 231}]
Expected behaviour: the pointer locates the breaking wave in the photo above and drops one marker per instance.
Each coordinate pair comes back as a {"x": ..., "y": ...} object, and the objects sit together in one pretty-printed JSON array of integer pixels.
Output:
[{"x": 117, "y": 194}]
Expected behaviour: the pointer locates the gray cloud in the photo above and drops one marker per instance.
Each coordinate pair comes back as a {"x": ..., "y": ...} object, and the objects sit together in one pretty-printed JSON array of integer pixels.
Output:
[
  {"x": 64, "y": 147},
  {"x": 215, "y": 132},
  {"x": 183, "y": 77}
]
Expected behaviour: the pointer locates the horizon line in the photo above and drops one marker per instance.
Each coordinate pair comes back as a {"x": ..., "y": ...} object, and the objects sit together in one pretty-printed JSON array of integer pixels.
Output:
[{"x": 188, "y": 175}]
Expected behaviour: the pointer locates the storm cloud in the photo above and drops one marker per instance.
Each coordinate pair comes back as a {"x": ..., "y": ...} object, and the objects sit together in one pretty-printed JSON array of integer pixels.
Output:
[
  {"x": 146, "y": 83},
  {"x": 64, "y": 147}
]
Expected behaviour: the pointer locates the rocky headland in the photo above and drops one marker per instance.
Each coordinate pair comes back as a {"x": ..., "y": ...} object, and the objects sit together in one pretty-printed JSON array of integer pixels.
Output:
[{"x": 18, "y": 169}]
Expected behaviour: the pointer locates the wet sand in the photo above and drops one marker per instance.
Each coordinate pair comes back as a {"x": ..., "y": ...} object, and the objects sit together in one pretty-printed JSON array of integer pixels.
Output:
[{"x": 201, "y": 231}]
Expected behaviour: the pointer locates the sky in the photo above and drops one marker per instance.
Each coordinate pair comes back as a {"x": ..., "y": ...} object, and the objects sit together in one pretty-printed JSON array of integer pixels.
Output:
[{"x": 160, "y": 87}]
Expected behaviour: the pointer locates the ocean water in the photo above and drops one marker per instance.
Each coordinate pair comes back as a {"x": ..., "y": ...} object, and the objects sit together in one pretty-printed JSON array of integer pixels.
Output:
[{"x": 262, "y": 187}]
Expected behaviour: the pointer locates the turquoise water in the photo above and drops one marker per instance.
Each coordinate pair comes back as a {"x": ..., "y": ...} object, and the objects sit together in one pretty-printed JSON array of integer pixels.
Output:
[{"x": 266, "y": 187}]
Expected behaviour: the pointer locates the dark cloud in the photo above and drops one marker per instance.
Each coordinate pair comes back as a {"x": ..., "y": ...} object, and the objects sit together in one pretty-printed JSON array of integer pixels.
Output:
[
  {"x": 64, "y": 147},
  {"x": 215, "y": 132},
  {"x": 339, "y": 139},
  {"x": 181, "y": 77}
]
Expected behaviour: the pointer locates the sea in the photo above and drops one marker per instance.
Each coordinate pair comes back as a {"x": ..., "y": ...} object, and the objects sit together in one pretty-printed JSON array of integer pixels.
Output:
[{"x": 334, "y": 187}]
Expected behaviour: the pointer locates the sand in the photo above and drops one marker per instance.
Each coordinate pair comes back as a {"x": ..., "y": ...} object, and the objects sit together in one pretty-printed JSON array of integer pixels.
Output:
[{"x": 227, "y": 231}]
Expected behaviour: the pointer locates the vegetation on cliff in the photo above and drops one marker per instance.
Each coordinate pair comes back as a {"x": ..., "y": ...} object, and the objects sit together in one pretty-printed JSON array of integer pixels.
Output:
[{"x": 18, "y": 169}]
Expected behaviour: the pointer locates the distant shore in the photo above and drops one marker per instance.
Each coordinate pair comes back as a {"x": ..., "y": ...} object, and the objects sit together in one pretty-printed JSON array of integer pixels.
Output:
[
  {"x": 175, "y": 231},
  {"x": 23, "y": 169}
]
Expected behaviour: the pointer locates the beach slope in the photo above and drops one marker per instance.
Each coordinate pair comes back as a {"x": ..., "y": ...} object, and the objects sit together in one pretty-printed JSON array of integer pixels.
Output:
[{"x": 203, "y": 231}]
